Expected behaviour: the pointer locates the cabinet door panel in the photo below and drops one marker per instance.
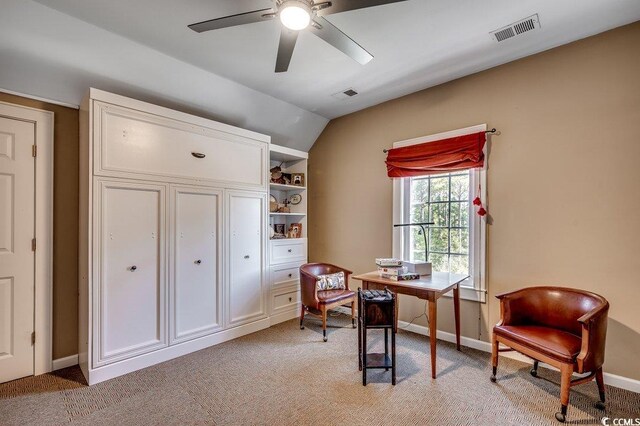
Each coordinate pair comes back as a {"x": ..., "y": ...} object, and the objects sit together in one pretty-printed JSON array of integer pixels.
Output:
[
  {"x": 197, "y": 278},
  {"x": 131, "y": 288},
  {"x": 247, "y": 257}
]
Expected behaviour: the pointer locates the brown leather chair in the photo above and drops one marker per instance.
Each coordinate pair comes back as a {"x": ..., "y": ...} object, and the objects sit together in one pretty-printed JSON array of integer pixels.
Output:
[
  {"x": 319, "y": 302},
  {"x": 563, "y": 327}
]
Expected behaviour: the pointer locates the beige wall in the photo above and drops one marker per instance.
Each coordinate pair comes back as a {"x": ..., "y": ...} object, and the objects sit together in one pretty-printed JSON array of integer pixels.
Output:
[
  {"x": 563, "y": 181},
  {"x": 65, "y": 224}
]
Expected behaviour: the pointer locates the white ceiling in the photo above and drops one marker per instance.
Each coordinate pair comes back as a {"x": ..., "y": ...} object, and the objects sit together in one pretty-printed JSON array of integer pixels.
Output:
[{"x": 416, "y": 44}]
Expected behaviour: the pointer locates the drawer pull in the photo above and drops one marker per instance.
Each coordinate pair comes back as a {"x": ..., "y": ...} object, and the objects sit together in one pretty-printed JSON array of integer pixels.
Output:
[
  {"x": 289, "y": 250},
  {"x": 133, "y": 268},
  {"x": 246, "y": 256},
  {"x": 198, "y": 154},
  {"x": 290, "y": 299},
  {"x": 197, "y": 262},
  {"x": 290, "y": 275}
]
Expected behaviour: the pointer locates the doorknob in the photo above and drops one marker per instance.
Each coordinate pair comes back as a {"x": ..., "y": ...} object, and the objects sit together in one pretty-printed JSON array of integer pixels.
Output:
[
  {"x": 197, "y": 262},
  {"x": 133, "y": 268}
]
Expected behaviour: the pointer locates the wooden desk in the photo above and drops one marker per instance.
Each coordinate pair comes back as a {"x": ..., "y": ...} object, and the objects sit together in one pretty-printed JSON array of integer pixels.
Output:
[{"x": 428, "y": 287}]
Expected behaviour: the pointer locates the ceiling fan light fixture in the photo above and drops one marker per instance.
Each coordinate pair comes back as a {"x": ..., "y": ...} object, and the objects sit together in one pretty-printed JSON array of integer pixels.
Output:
[{"x": 295, "y": 14}]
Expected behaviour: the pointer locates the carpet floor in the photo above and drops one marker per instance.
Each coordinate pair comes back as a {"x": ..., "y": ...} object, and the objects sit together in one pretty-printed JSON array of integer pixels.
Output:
[{"x": 285, "y": 376}]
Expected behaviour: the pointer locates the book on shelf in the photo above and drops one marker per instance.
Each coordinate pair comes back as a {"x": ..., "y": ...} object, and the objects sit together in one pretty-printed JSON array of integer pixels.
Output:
[
  {"x": 392, "y": 270},
  {"x": 402, "y": 277},
  {"x": 388, "y": 262}
]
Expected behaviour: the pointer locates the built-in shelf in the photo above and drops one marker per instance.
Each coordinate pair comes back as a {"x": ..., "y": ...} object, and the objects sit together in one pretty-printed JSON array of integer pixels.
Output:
[
  {"x": 287, "y": 214},
  {"x": 283, "y": 187},
  {"x": 287, "y": 239}
]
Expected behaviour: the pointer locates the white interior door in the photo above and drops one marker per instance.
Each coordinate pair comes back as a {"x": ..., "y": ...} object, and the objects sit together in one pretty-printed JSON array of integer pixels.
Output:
[
  {"x": 246, "y": 256},
  {"x": 196, "y": 258},
  {"x": 17, "y": 216}
]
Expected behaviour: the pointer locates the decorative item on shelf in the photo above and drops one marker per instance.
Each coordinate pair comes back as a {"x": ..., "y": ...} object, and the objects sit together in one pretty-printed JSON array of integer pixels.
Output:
[
  {"x": 297, "y": 179},
  {"x": 273, "y": 204},
  {"x": 278, "y": 231},
  {"x": 271, "y": 232},
  {"x": 295, "y": 199},
  {"x": 284, "y": 207},
  {"x": 295, "y": 230},
  {"x": 277, "y": 176}
]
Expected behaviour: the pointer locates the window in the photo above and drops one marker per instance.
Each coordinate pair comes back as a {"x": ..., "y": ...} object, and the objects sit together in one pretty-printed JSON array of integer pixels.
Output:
[{"x": 456, "y": 241}]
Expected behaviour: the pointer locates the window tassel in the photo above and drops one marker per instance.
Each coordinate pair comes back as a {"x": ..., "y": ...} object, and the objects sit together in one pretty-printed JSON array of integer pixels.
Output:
[{"x": 478, "y": 202}]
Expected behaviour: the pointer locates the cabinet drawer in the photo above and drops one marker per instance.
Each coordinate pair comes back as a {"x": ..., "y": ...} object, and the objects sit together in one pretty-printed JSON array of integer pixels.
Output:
[
  {"x": 285, "y": 273},
  {"x": 147, "y": 146},
  {"x": 284, "y": 251},
  {"x": 286, "y": 300}
]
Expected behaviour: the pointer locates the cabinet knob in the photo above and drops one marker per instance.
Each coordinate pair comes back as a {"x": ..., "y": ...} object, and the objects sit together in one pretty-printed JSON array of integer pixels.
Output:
[
  {"x": 246, "y": 256},
  {"x": 290, "y": 275},
  {"x": 198, "y": 154},
  {"x": 197, "y": 262},
  {"x": 290, "y": 299},
  {"x": 133, "y": 268},
  {"x": 289, "y": 250}
]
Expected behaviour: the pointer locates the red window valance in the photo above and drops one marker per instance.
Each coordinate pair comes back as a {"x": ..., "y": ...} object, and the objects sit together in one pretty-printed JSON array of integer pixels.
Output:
[{"x": 446, "y": 155}]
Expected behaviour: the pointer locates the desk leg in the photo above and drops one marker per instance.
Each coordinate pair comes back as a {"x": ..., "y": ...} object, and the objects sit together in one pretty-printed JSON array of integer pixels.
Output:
[
  {"x": 433, "y": 315},
  {"x": 456, "y": 309}
]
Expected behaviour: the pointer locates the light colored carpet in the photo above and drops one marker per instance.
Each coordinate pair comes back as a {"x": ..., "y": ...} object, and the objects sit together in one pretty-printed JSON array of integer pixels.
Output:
[{"x": 285, "y": 376}]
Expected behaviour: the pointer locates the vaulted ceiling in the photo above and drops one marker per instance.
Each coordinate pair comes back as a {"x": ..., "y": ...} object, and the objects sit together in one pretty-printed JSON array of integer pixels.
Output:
[{"x": 416, "y": 44}]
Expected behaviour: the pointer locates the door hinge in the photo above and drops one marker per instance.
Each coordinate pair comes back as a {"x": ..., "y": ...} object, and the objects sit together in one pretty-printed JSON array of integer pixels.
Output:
[
  {"x": 33, "y": 338},
  {"x": 33, "y": 245},
  {"x": 34, "y": 150}
]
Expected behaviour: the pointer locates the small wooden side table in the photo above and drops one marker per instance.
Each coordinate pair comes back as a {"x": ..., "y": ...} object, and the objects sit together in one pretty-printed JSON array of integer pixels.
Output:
[{"x": 376, "y": 310}]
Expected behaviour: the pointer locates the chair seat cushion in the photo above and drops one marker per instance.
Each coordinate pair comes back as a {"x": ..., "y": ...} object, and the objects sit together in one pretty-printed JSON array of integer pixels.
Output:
[
  {"x": 557, "y": 344},
  {"x": 331, "y": 296}
]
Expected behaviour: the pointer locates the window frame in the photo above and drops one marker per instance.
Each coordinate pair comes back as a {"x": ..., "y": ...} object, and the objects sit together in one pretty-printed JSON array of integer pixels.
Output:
[{"x": 474, "y": 288}]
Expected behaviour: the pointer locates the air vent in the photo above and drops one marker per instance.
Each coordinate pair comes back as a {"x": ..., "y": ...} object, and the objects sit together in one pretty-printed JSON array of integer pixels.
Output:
[
  {"x": 345, "y": 94},
  {"x": 517, "y": 28}
]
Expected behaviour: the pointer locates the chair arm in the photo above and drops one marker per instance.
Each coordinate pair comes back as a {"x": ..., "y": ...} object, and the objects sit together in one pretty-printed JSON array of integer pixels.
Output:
[
  {"x": 346, "y": 278},
  {"x": 594, "y": 334},
  {"x": 308, "y": 291},
  {"x": 510, "y": 306}
]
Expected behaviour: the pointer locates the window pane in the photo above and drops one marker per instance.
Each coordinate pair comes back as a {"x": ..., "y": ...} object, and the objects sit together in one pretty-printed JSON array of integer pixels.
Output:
[
  {"x": 439, "y": 189},
  {"x": 439, "y": 262},
  {"x": 439, "y": 239},
  {"x": 459, "y": 264},
  {"x": 459, "y": 215},
  {"x": 460, "y": 187},
  {"x": 419, "y": 190},
  {"x": 460, "y": 241},
  {"x": 419, "y": 213},
  {"x": 439, "y": 214},
  {"x": 417, "y": 244}
]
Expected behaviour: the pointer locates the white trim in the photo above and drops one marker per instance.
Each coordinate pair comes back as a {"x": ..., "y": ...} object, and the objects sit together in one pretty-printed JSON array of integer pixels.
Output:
[
  {"x": 68, "y": 361},
  {"x": 477, "y": 237},
  {"x": 621, "y": 382},
  {"x": 43, "y": 306},
  {"x": 38, "y": 98}
]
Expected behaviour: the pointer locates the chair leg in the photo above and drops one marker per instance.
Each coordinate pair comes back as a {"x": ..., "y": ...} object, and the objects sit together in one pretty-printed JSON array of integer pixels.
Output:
[
  {"x": 301, "y": 316},
  {"x": 565, "y": 387},
  {"x": 600, "y": 381},
  {"x": 353, "y": 314},
  {"x": 534, "y": 370},
  {"x": 324, "y": 324},
  {"x": 494, "y": 358}
]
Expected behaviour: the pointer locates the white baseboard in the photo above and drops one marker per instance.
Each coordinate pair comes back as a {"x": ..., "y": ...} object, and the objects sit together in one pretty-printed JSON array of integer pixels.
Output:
[
  {"x": 610, "y": 379},
  {"x": 68, "y": 361}
]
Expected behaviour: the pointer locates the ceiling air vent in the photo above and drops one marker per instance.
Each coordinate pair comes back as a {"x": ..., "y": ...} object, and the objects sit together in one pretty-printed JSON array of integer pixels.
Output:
[
  {"x": 517, "y": 28},
  {"x": 345, "y": 94}
]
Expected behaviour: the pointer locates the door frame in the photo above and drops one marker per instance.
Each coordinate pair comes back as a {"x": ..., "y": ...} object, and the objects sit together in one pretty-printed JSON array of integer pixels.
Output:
[{"x": 43, "y": 304}]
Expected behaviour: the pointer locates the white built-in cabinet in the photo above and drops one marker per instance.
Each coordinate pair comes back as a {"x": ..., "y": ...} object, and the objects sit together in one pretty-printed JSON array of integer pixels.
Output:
[
  {"x": 174, "y": 253},
  {"x": 287, "y": 254}
]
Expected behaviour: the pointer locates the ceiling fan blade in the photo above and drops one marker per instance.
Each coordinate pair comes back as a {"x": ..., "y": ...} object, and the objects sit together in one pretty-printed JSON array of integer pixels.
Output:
[
  {"x": 285, "y": 49},
  {"x": 233, "y": 20},
  {"x": 344, "y": 5},
  {"x": 340, "y": 40}
]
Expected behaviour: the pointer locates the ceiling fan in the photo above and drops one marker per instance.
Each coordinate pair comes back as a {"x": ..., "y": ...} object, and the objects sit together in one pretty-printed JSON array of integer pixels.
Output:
[{"x": 297, "y": 15}]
